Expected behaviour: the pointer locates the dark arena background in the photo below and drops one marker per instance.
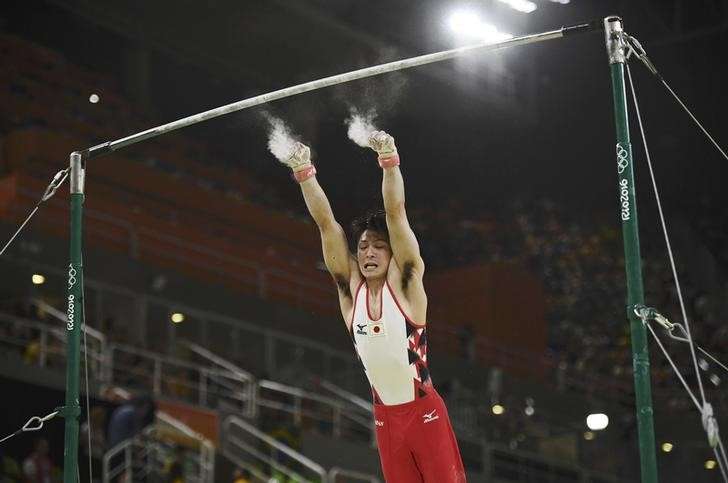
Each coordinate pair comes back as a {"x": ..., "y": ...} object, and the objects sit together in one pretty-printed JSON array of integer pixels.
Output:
[{"x": 212, "y": 346}]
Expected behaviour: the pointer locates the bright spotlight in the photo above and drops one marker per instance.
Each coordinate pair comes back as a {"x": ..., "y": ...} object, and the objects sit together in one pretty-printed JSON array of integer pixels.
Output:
[
  {"x": 497, "y": 409},
  {"x": 94, "y": 98},
  {"x": 523, "y": 6},
  {"x": 529, "y": 410},
  {"x": 667, "y": 447},
  {"x": 468, "y": 24},
  {"x": 464, "y": 22},
  {"x": 588, "y": 435},
  {"x": 597, "y": 422},
  {"x": 38, "y": 279},
  {"x": 710, "y": 465},
  {"x": 177, "y": 317}
]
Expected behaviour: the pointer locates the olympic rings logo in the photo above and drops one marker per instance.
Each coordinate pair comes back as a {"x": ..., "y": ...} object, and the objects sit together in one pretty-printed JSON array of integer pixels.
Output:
[
  {"x": 71, "y": 276},
  {"x": 622, "y": 161}
]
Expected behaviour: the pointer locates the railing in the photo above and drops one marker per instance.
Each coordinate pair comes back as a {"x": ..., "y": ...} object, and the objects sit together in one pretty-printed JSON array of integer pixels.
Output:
[
  {"x": 131, "y": 458},
  {"x": 202, "y": 469},
  {"x": 145, "y": 455},
  {"x": 178, "y": 379},
  {"x": 43, "y": 344},
  {"x": 251, "y": 344},
  {"x": 347, "y": 416},
  {"x": 94, "y": 341},
  {"x": 227, "y": 367},
  {"x": 219, "y": 384},
  {"x": 277, "y": 458},
  {"x": 504, "y": 464},
  {"x": 346, "y": 396},
  {"x": 305, "y": 408}
]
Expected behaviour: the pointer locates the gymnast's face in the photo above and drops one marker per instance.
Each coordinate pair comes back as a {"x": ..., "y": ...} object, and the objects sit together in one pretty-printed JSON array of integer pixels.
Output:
[{"x": 373, "y": 254}]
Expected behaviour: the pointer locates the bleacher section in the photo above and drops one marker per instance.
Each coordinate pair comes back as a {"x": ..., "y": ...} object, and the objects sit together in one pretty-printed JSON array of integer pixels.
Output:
[{"x": 161, "y": 206}]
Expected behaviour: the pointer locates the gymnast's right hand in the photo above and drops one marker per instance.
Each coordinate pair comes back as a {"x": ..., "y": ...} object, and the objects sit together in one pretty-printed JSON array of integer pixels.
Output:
[{"x": 300, "y": 157}]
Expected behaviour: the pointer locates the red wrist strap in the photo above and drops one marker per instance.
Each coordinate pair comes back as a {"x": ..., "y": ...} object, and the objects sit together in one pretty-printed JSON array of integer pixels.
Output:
[
  {"x": 304, "y": 174},
  {"x": 389, "y": 161}
]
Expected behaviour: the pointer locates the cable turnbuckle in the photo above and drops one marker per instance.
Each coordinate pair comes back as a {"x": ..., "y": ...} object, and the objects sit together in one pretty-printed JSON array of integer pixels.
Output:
[
  {"x": 635, "y": 47},
  {"x": 648, "y": 314},
  {"x": 56, "y": 183}
]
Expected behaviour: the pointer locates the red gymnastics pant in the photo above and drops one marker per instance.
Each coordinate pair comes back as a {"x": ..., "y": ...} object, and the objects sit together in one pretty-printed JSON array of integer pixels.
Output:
[{"x": 416, "y": 442}]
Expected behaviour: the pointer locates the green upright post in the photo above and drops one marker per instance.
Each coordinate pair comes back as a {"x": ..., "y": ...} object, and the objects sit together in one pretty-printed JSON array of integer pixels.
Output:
[
  {"x": 75, "y": 318},
  {"x": 632, "y": 262}
]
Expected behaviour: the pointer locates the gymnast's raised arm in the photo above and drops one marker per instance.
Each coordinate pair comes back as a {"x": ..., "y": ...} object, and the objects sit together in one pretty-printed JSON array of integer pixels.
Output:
[
  {"x": 337, "y": 258},
  {"x": 405, "y": 248}
]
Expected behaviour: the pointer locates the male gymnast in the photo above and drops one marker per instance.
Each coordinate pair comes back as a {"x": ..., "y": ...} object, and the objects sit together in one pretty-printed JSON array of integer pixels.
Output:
[{"x": 384, "y": 305}]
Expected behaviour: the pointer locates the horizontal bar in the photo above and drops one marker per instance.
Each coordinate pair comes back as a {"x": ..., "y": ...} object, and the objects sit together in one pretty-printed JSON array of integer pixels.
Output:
[{"x": 333, "y": 80}]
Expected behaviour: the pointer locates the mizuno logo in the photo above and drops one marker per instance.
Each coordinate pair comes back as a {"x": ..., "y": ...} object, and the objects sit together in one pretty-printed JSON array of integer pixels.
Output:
[
  {"x": 429, "y": 417},
  {"x": 379, "y": 423},
  {"x": 360, "y": 329}
]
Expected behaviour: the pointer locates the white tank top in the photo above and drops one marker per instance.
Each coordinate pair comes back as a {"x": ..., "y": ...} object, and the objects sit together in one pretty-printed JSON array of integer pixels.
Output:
[{"x": 392, "y": 349}]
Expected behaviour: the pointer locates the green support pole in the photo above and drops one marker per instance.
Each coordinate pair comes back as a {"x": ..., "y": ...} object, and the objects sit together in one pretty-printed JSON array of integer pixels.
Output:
[
  {"x": 632, "y": 262},
  {"x": 75, "y": 318}
]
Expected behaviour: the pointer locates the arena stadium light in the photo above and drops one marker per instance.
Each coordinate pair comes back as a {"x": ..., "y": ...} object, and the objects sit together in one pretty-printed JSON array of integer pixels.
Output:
[
  {"x": 177, "y": 317},
  {"x": 666, "y": 447},
  {"x": 523, "y": 6},
  {"x": 497, "y": 409},
  {"x": 94, "y": 98},
  {"x": 38, "y": 279},
  {"x": 710, "y": 464},
  {"x": 597, "y": 421},
  {"x": 468, "y": 24},
  {"x": 588, "y": 435},
  {"x": 529, "y": 409}
]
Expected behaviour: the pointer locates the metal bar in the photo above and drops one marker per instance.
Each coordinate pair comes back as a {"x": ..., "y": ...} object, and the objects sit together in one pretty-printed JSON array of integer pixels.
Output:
[
  {"x": 334, "y": 80},
  {"x": 630, "y": 234},
  {"x": 127, "y": 461},
  {"x": 219, "y": 361},
  {"x": 74, "y": 320}
]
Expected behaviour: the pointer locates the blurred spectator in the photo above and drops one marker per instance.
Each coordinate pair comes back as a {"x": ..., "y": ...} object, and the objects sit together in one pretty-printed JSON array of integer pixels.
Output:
[
  {"x": 129, "y": 419},
  {"x": 9, "y": 468},
  {"x": 241, "y": 475},
  {"x": 37, "y": 467},
  {"x": 174, "y": 471}
]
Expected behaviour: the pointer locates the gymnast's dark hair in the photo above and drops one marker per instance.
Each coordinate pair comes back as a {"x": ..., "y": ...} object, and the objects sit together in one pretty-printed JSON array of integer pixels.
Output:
[{"x": 374, "y": 220}]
